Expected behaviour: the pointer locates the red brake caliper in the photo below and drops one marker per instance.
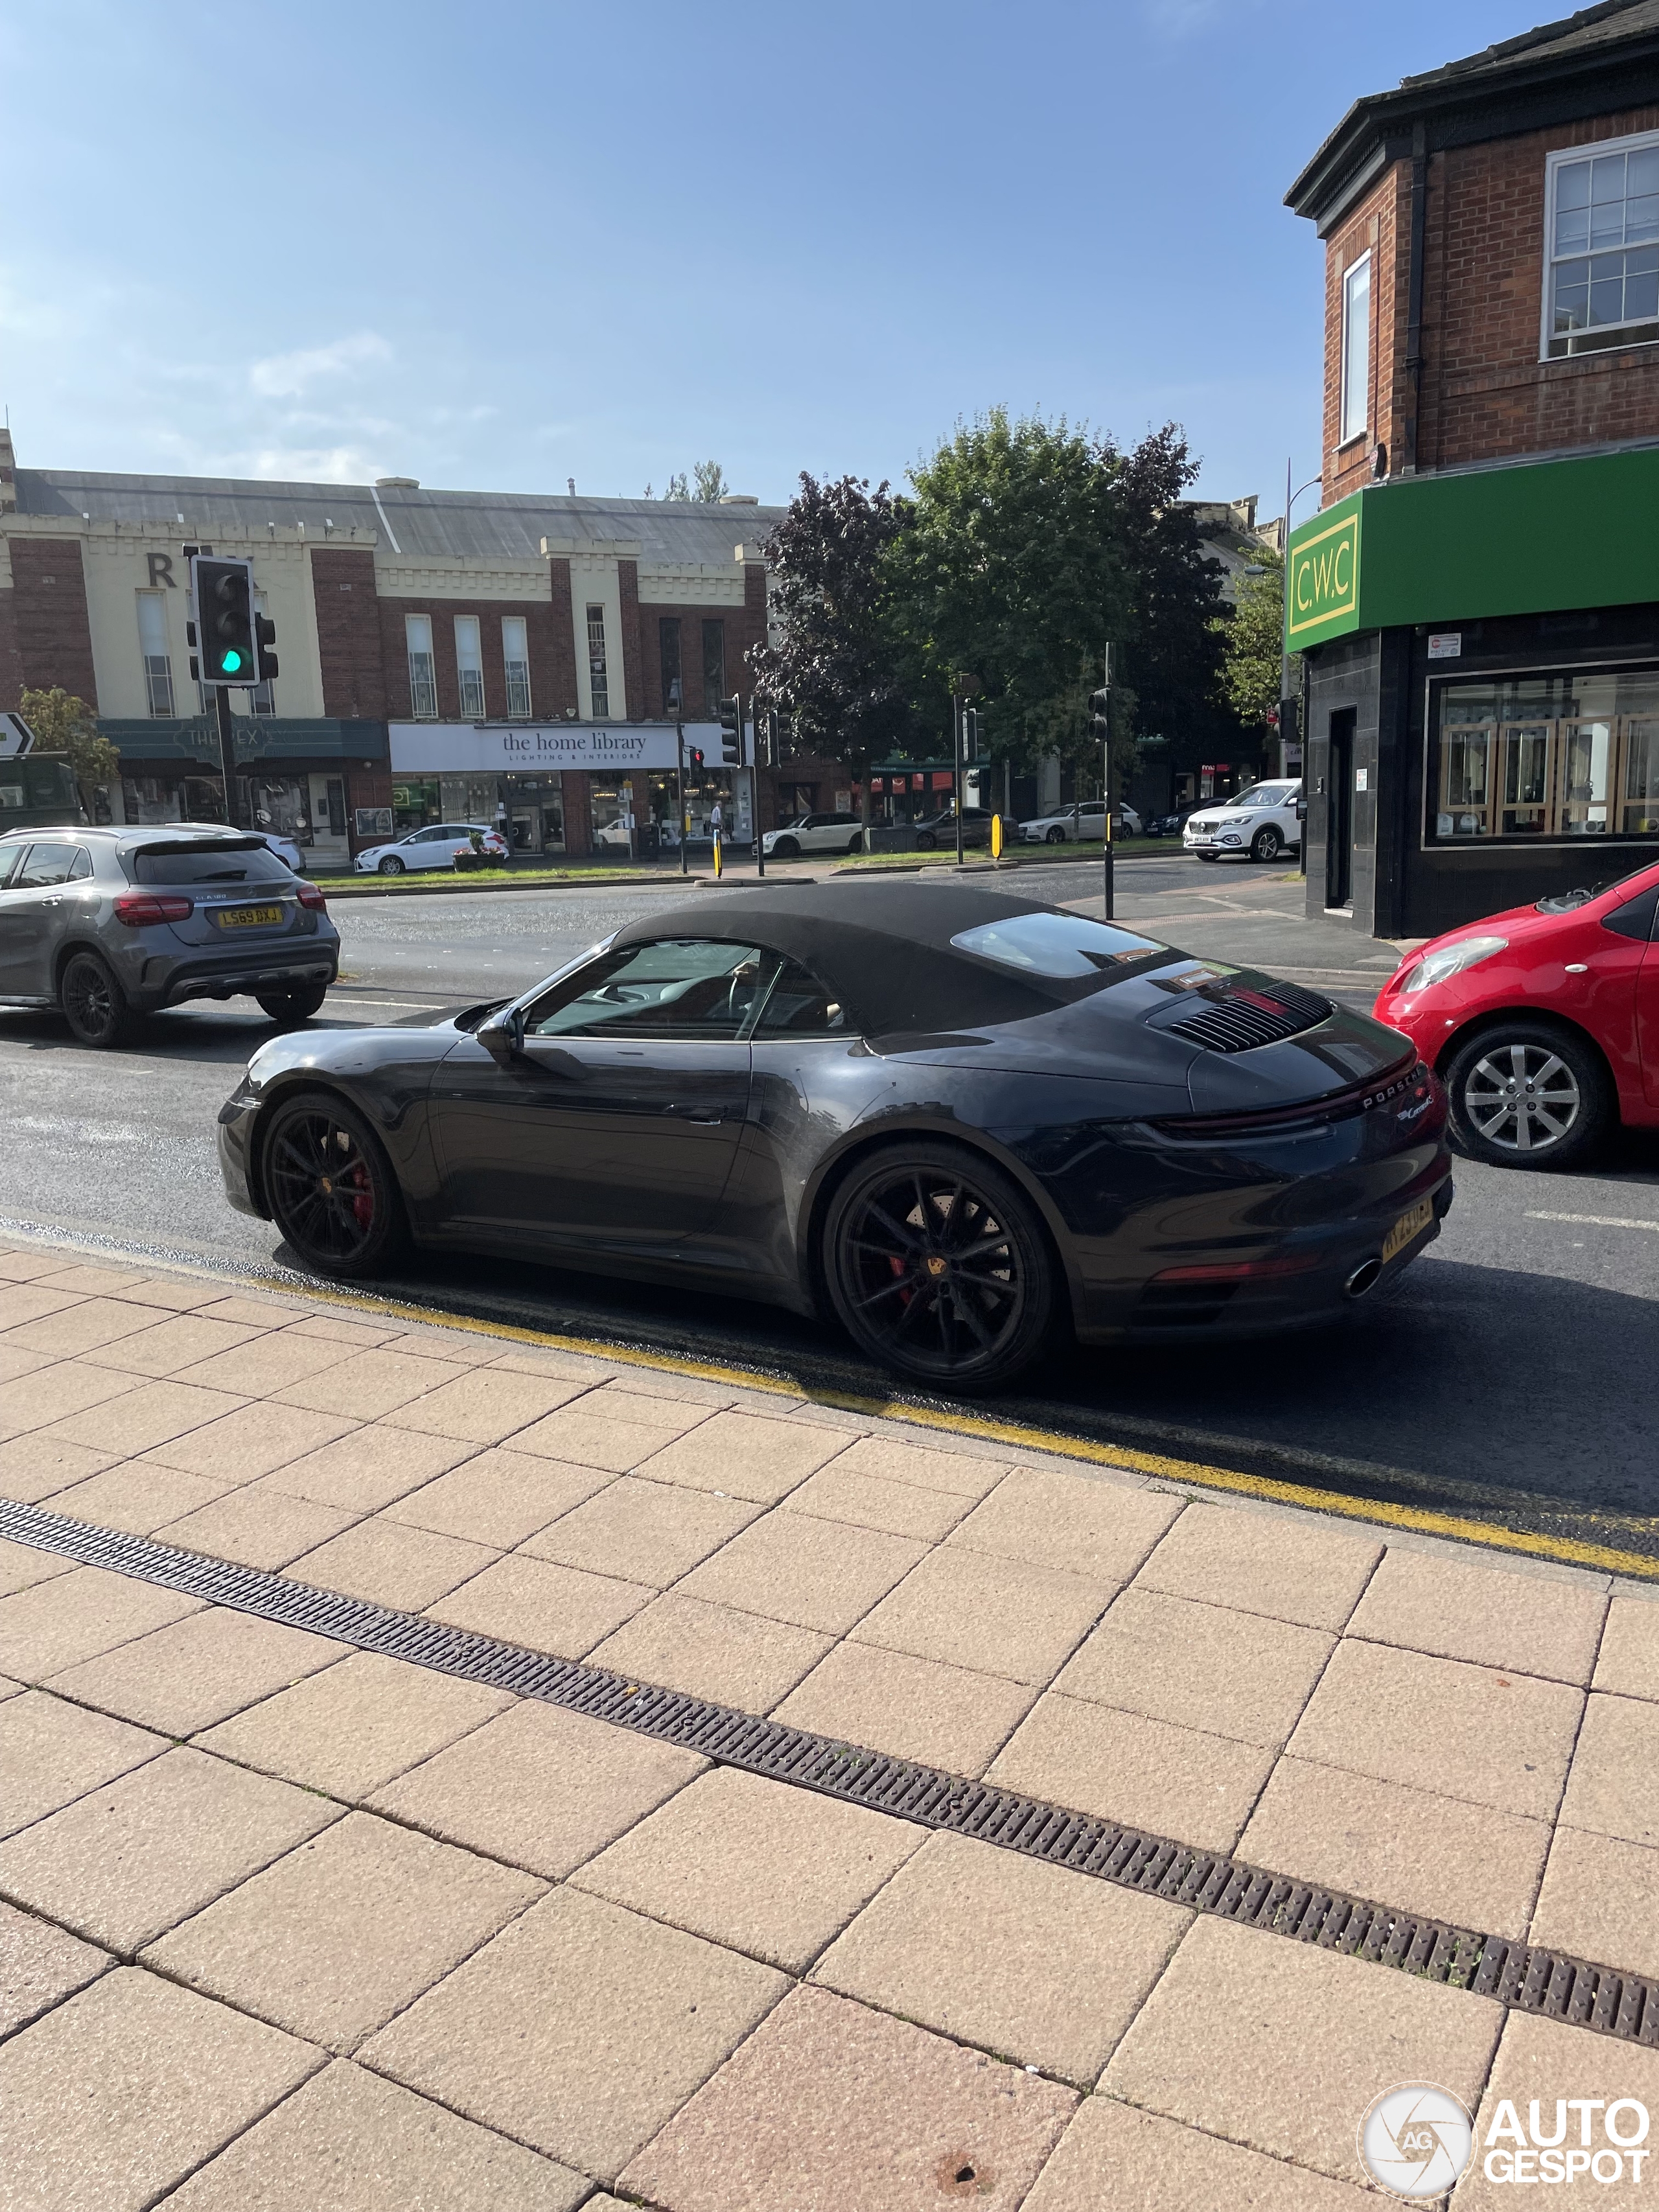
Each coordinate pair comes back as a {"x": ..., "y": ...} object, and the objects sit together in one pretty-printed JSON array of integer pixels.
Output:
[{"x": 362, "y": 1205}]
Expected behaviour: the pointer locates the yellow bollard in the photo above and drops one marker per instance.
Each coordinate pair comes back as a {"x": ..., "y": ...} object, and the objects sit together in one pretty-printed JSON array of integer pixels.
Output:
[
  {"x": 717, "y": 856},
  {"x": 996, "y": 836}
]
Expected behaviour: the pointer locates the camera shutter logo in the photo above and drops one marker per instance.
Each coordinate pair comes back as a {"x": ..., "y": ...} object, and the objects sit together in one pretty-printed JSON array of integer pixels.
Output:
[{"x": 1415, "y": 2140}]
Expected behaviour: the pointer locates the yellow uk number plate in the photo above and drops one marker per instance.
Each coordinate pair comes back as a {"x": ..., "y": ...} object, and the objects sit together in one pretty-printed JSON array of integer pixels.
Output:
[
  {"x": 248, "y": 917},
  {"x": 1408, "y": 1227}
]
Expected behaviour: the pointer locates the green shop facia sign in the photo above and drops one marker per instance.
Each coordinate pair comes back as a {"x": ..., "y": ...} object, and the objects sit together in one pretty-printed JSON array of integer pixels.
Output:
[
  {"x": 1538, "y": 537},
  {"x": 1324, "y": 580}
]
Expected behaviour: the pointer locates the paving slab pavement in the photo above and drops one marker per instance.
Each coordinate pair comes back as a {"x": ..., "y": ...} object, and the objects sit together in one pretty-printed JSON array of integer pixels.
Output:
[{"x": 287, "y": 1924}]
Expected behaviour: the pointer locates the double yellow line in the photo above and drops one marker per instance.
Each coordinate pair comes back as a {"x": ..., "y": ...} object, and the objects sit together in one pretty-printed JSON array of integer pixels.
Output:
[{"x": 1569, "y": 1551}]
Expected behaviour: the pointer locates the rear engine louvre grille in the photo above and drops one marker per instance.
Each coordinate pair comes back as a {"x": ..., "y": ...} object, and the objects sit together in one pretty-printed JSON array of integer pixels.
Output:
[{"x": 1248, "y": 1017}]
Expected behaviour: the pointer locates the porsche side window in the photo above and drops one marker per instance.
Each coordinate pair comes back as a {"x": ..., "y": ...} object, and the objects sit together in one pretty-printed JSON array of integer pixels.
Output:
[
  {"x": 798, "y": 1004},
  {"x": 683, "y": 988},
  {"x": 1063, "y": 945}
]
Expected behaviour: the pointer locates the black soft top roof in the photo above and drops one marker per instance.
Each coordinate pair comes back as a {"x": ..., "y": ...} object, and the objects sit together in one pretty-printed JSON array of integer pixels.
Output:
[{"x": 883, "y": 949}]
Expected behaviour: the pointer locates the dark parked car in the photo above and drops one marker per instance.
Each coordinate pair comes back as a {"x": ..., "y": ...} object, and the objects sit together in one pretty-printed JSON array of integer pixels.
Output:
[
  {"x": 112, "y": 924},
  {"x": 952, "y": 1119},
  {"x": 933, "y": 831}
]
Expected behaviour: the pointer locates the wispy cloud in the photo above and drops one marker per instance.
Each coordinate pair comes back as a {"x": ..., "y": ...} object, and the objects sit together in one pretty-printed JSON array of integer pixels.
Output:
[
  {"x": 315, "y": 464},
  {"x": 290, "y": 375}
]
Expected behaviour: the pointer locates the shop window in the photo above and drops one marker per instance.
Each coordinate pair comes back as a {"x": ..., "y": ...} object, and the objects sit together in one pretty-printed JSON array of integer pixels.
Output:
[
  {"x": 1602, "y": 220},
  {"x": 1549, "y": 757},
  {"x": 1356, "y": 349},
  {"x": 469, "y": 667},
  {"x": 515, "y": 652},
  {"x": 714, "y": 669},
  {"x": 422, "y": 672},
  {"x": 279, "y": 804},
  {"x": 153, "y": 645},
  {"x": 599, "y": 679},
  {"x": 668, "y": 645},
  {"x": 415, "y": 803}
]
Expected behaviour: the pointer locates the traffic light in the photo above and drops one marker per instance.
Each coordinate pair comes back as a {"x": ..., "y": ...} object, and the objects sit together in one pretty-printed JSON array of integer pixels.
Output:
[
  {"x": 264, "y": 646},
  {"x": 221, "y": 593},
  {"x": 969, "y": 736},
  {"x": 731, "y": 733},
  {"x": 1100, "y": 716},
  {"x": 694, "y": 757},
  {"x": 769, "y": 738}
]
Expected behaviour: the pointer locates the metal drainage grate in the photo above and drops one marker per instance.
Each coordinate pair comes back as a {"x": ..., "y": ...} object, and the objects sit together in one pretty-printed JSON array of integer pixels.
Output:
[{"x": 1602, "y": 1998}]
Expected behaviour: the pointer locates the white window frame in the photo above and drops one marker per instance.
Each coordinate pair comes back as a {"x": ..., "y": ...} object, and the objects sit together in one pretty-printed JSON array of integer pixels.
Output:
[
  {"x": 598, "y": 662},
  {"x": 470, "y": 692},
  {"x": 518, "y": 668},
  {"x": 422, "y": 684},
  {"x": 1554, "y": 164},
  {"x": 1346, "y": 436},
  {"x": 158, "y": 695}
]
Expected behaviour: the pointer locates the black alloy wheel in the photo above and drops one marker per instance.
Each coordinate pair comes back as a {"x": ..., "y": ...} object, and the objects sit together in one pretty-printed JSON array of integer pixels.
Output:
[
  {"x": 1267, "y": 844},
  {"x": 94, "y": 1005},
  {"x": 926, "y": 841},
  {"x": 856, "y": 846},
  {"x": 292, "y": 1007},
  {"x": 330, "y": 1187},
  {"x": 937, "y": 1267},
  {"x": 1056, "y": 836},
  {"x": 1524, "y": 1094},
  {"x": 391, "y": 865},
  {"x": 787, "y": 848}
]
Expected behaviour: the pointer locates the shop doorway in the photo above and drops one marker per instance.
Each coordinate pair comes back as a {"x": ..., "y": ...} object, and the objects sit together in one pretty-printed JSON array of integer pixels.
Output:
[{"x": 1338, "y": 810}]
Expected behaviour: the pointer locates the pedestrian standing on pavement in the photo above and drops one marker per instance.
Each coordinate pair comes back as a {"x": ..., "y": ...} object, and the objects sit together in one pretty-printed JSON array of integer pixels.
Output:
[{"x": 716, "y": 822}]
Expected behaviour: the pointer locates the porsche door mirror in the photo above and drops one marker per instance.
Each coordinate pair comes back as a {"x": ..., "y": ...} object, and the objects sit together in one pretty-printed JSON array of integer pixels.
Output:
[{"x": 502, "y": 1035}]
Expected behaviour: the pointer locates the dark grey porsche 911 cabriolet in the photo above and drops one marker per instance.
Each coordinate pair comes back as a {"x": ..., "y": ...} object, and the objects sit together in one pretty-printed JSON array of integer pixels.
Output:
[{"x": 955, "y": 1121}]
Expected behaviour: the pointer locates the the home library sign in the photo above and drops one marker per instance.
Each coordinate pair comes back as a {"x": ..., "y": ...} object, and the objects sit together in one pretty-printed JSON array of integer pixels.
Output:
[{"x": 540, "y": 748}]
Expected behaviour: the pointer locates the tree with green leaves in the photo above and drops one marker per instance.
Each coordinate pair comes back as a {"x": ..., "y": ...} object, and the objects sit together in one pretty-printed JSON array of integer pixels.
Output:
[
  {"x": 1173, "y": 645},
  {"x": 62, "y": 723},
  {"x": 709, "y": 482},
  {"x": 1252, "y": 641},
  {"x": 1012, "y": 570},
  {"x": 835, "y": 672}
]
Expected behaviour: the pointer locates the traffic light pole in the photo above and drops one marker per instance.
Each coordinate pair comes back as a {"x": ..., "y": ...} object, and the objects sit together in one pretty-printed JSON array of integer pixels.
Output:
[
  {"x": 227, "y": 750},
  {"x": 956, "y": 742},
  {"x": 754, "y": 792},
  {"x": 679, "y": 792}
]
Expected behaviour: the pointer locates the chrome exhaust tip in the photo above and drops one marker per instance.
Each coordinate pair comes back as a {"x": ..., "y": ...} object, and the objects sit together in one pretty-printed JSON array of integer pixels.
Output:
[{"x": 1362, "y": 1279}]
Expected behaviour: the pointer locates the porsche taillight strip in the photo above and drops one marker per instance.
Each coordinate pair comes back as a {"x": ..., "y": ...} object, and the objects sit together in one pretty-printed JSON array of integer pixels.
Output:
[
  {"x": 1607, "y": 2000},
  {"x": 1357, "y": 1098}
]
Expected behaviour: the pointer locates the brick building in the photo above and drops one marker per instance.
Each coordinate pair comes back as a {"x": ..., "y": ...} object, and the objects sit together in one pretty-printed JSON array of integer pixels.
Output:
[
  {"x": 1478, "y": 599},
  {"x": 445, "y": 655}
]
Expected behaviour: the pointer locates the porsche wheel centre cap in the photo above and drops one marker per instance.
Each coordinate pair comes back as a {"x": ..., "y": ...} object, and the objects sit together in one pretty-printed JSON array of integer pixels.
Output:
[
  {"x": 937, "y": 1265},
  {"x": 325, "y": 1187}
]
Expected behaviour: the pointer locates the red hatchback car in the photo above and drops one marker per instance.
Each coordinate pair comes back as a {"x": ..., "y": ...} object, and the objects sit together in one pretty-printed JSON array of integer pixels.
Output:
[{"x": 1543, "y": 1022}]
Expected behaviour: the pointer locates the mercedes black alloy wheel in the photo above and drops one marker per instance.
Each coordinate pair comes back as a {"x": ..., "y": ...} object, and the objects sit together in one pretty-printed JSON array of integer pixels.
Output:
[
  {"x": 331, "y": 1187},
  {"x": 939, "y": 1268},
  {"x": 94, "y": 1005}
]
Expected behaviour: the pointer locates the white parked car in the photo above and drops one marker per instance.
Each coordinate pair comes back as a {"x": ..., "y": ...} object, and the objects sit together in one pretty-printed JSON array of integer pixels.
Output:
[
  {"x": 434, "y": 847},
  {"x": 1259, "y": 824},
  {"x": 1078, "y": 825},
  {"x": 813, "y": 833}
]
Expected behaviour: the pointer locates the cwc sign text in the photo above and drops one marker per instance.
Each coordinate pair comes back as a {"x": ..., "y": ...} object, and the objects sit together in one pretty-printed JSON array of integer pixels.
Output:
[{"x": 1324, "y": 581}]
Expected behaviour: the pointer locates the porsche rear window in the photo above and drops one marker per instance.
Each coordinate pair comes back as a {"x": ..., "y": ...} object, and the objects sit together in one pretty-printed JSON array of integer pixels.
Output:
[
  {"x": 200, "y": 863},
  {"x": 1063, "y": 945}
]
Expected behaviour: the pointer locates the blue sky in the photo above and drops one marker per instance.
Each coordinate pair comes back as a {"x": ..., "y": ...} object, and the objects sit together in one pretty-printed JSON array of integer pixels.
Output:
[{"x": 500, "y": 245}]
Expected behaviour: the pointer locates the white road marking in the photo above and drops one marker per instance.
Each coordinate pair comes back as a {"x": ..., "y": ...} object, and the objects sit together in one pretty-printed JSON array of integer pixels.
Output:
[{"x": 1598, "y": 1220}]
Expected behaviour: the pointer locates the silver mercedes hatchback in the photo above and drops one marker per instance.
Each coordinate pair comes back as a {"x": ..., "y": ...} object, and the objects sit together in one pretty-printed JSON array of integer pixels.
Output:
[{"x": 110, "y": 925}]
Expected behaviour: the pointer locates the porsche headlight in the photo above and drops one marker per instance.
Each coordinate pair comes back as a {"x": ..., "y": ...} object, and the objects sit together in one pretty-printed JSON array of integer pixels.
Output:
[{"x": 1451, "y": 960}]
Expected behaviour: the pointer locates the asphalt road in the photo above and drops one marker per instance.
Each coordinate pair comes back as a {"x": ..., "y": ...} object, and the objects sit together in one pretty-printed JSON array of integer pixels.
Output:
[{"x": 1508, "y": 1381}]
